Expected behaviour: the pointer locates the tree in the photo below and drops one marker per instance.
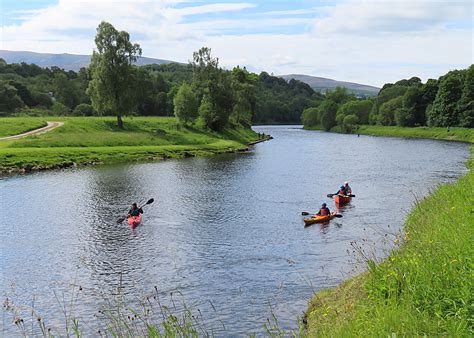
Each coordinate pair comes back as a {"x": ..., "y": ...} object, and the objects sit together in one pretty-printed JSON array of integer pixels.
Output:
[
  {"x": 24, "y": 93},
  {"x": 349, "y": 124},
  {"x": 212, "y": 81},
  {"x": 111, "y": 87},
  {"x": 185, "y": 104},
  {"x": 414, "y": 107},
  {"x": 465, "y": 106},
  {"x": 207, "y": 111},
  {"x": 386, "y": 116},
  {"x": 360, "y": 108},
  {"x": 387, "y": 93},
  {"x": 243, "y": 86},
  {"x": 84, "y": 109},
  {"x": 340, "y": 95},
  {"x": 9, "y": 99},
  {"x": 65, "y": 91},
  {"x": 404, "y": 117},
  {"x": 327, "y": 114},
  {"x": 310, "y": 117},
  {"x": 443, "y": 112}
]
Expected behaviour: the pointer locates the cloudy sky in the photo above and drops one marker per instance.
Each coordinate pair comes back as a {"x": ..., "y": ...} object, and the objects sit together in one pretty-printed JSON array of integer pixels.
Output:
[{"x": 365, "y": 41}]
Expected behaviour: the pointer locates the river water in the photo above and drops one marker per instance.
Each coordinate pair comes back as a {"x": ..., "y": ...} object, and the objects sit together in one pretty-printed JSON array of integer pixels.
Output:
[{"x": 225, "y": 234}]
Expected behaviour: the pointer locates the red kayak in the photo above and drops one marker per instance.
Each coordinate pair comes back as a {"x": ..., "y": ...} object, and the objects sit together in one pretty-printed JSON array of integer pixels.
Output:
[
  {"x": 133, "y": 221},
  {"x": 342, "y": 199}
]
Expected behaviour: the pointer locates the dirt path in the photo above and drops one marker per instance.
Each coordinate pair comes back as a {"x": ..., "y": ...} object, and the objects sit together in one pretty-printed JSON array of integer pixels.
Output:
[{"x": 50, "y": 126}]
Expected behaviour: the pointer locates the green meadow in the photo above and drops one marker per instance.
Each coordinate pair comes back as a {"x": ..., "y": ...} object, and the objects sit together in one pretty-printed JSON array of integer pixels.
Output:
[{"x": 92, "y": 140}]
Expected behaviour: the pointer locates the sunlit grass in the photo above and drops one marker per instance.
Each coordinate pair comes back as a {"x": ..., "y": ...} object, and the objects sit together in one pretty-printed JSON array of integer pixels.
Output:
[
  {"x": 10, "y": 126},
  {"x": 92, "y": 140},
  {"x": 448, "y": 134}
]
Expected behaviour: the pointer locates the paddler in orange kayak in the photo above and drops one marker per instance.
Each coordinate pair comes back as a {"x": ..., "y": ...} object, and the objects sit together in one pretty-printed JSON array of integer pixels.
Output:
[
  {"x": 135, "y": 210},
  {"x": 324, "y": 211}
]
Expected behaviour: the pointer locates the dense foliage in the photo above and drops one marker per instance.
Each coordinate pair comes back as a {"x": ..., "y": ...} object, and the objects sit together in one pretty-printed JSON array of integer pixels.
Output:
[
  {"x": 257, "y": 98},
  {"x": 446, "y": 102},
  {"x": 112, "y": 85}
]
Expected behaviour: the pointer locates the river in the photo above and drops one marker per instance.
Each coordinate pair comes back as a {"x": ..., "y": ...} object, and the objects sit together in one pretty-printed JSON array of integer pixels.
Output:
[{"x": 225, "y": 234}]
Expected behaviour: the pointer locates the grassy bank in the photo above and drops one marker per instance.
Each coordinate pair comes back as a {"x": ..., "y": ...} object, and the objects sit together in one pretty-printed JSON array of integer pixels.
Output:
[
  {"x": 92, "y": 140},
  {"x": 454, "y": 134},
  {"x": 16, "y": 125},
  {"x": 423, "y": 288}
]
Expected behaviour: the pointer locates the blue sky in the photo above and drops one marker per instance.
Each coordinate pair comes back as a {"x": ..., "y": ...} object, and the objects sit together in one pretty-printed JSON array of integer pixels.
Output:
[{"x": 366, "y": 41}]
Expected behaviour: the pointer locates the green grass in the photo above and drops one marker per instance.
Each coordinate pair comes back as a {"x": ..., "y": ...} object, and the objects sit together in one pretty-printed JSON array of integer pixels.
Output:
[
  {"x": 454, "y": 133},
  {"x": 10, "y": 126},
  {"x": 86, "y": 140},
  {"x": 423, "y": 288}
]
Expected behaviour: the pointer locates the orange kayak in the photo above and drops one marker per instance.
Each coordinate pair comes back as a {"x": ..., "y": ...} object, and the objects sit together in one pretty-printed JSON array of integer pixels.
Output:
[
  {"x": 318, "y": 219},
  {"x": 342, "y": 199},
  {"x": 133, "y": 221}
]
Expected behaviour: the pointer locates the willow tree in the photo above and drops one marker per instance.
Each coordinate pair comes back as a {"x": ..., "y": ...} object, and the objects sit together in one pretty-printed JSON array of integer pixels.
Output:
[{"x": 112, "y": 74}]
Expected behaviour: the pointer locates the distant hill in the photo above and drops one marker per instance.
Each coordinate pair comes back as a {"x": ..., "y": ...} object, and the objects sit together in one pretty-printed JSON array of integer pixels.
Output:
[
  {"x": 65, "y": 61},
  {"x": 322, "y": 84}
]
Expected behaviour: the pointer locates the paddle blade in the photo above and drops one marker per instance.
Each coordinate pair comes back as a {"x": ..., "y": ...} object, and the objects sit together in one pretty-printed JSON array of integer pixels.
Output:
[
  {"x": 305, "y": 213},
  {"x": 352, "y": 195},
  {"x": 338, "y": 215},
  {"x": 330, "y": 195},
  {"x": 150, "y": 201},
  {"x": 121, "y": 219}
]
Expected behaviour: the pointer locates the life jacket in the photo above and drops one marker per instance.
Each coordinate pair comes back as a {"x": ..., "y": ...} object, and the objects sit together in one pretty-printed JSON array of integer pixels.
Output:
[
  {"x": 324, "y": 212},
  {"x": 342, "y": 191},
  {"x": 135, "y": 212}
]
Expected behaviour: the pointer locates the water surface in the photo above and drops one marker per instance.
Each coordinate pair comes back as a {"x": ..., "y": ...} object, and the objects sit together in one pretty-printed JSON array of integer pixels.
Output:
[{"x": 225, "y": 230}]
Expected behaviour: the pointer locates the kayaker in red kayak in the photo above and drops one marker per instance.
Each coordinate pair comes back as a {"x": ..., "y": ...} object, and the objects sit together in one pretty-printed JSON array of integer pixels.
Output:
[
  {"x": 324, "y": 211},
  {"x": 135, "y": 210},
  {"x": 342, "y": 191},
  {"x": 348, "y": 188}
]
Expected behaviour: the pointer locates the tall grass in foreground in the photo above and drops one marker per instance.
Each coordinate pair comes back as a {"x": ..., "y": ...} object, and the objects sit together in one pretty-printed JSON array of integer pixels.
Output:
[
  {"x": 424, "y": 288},
  {"x": 156, "y": 315}
]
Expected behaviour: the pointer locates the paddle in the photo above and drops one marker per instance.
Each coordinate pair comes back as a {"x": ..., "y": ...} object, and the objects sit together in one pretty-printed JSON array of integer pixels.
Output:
[
  {"x": 305, "y": 213},
  {"x": 150, "y": 201},
  {"x": 331, "y": 195}
]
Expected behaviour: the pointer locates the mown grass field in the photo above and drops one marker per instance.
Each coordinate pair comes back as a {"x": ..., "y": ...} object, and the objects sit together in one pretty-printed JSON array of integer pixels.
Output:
[
  {"x": 85, "y": 140},
  {"x": 424, "y": 288},
  {"x": 16, "y": 125}
]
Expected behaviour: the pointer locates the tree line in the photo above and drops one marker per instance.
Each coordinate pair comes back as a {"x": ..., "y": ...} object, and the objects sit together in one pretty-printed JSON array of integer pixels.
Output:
[
  {"x": 113, "y": 85},
  {"x": 445, "y": 102}
]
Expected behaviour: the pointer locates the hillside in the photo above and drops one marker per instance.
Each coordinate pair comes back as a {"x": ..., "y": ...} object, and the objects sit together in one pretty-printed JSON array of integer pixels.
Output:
[
  {"x": 66, "y": 61},
  {"x": 322, "y": 84}
]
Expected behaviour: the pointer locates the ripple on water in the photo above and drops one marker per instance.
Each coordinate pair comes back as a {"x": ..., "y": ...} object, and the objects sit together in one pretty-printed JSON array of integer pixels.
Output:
[{"x": 226, "y": 232}]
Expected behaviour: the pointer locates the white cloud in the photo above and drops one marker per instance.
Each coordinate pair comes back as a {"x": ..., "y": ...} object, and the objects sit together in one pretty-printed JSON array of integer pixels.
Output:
[
  {"x": 363, "y": 41},
  {"x": 382, "y": 16}
]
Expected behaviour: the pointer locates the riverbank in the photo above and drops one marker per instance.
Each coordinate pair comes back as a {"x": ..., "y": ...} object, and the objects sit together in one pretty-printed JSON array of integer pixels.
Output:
[
  {"x": 425, "y": 285},
  {"x": 451, "y": 134},
  {"x": 97, "y": 140}
]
